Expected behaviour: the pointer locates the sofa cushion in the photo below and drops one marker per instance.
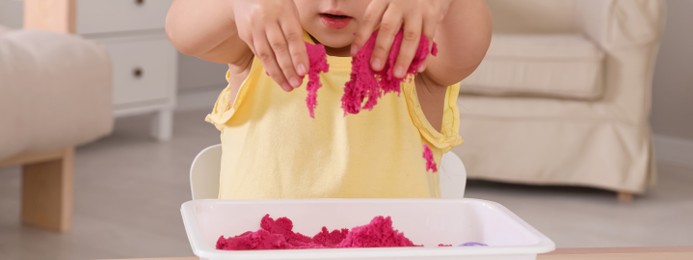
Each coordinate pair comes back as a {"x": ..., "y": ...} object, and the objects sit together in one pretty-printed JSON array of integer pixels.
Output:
[
  {"x": 554, "y": 65},
  {"x": 534, "y": 16},
  {"x": 55, "y": 92}
]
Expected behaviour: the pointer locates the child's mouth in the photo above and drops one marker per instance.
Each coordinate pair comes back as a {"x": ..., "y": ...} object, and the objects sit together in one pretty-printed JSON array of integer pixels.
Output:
[{"x": 335, "y": 20}]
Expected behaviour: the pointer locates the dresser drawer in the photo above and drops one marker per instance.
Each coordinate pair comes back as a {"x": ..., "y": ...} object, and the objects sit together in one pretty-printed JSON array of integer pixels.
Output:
[
  {"x": 143, "y": 70},
  {"x": 104, "y": 16}
]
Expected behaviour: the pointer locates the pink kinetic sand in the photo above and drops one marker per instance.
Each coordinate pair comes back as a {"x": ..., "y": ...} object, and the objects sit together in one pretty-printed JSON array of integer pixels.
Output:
[
  {"x": 318, "y": 63},
  {"x": 378, "y": 233},
  {"x": 430, "y": 161},
  {"x": 366, "y": 83},
  {"x": 278, "y": 234}
]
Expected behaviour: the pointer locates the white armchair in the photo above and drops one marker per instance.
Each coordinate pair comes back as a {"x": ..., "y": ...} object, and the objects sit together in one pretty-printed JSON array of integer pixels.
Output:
[{"x": 563, "y": 96}]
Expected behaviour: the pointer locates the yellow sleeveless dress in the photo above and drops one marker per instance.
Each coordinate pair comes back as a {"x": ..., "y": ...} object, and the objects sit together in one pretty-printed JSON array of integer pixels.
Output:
[{"x": 272, "y": 148}]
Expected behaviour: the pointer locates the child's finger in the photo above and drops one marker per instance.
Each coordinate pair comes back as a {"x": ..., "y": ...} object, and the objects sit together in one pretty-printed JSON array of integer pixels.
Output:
[
  {"x": 372, "y": 17},
  {"x": 429, "y": 27},
  {"x": 410, "y": 43},
  {"x": 297, "y": 47},
  {"x": 264, "y": 52},
  {"x": 275, "y": 36},
  {"x": 422, "y": 68},
  {"x": 430, "y": 24},
  {"x": 390, "y": 25}
]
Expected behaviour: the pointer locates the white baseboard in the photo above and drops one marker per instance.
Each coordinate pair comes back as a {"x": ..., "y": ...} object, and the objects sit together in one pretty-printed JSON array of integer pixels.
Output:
[
  {"x": 197, "y": 99},
  {"x": 673, "y": 150}
]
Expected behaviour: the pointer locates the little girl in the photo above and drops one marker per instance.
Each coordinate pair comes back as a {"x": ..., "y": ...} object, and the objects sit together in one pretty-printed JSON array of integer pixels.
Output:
[{"x": 273, "y": 148}]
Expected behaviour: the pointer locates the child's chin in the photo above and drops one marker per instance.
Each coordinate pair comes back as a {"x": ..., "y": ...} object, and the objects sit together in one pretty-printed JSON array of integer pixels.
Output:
[
  {"x": 336, "y": 45},
  {"x": 335, "y": 40}
]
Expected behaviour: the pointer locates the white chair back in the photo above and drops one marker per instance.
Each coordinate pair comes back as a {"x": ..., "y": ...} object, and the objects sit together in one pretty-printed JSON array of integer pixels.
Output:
[
  {"x": 453, "y": 176},
  {"x": 204, "y": 173}
]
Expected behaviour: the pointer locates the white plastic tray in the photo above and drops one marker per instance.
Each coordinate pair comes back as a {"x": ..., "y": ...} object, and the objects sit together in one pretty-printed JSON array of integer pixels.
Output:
[{"x": 424, "y": 221}]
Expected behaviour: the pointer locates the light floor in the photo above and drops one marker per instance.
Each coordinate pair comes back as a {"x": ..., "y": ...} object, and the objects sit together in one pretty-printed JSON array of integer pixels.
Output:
[{"x": 128, "y": 192}]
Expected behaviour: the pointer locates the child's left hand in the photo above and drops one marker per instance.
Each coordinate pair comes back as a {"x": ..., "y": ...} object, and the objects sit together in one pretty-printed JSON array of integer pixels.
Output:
[{"x": 389, "y": 16}]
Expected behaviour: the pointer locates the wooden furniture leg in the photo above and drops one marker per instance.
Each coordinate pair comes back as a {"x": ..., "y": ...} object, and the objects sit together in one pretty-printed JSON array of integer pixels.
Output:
[
  {"x": 52, "y": 15},
  {"x": 47, "y": 192},
  {"x": 47, "y": 177},
  {"x": 625, "y": 197}
]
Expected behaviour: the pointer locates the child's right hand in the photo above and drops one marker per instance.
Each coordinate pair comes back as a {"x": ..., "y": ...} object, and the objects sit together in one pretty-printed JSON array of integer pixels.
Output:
[{"x": 273, "y": 31}]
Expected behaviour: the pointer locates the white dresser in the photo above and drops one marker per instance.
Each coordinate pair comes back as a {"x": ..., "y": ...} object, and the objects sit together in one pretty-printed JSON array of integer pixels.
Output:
[{"x": 144, "y": 62}]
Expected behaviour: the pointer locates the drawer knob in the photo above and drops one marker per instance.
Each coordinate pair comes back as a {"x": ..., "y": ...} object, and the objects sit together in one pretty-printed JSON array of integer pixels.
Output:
[
  {"x": 139, "y": 2},
  {"x": 138, "y": 73}
]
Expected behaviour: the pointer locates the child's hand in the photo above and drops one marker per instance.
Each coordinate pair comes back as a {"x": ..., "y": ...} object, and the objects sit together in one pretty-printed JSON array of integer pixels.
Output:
[
  {"x": 272, "y": 30},
  {"x": 389, "y": 16}
]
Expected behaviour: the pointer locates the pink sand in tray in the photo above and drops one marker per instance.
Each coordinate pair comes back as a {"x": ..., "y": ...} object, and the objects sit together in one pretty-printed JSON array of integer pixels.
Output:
[
  {"x": 365, "y": 85},
  {"x": 279, "y": 234}
]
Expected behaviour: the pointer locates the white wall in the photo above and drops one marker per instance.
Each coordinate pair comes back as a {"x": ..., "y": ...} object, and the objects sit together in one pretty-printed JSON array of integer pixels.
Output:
[
  {"x": 672, "y": 111},
  {"x": 199, "y": 83},
  {"x": 672, "y": 114},
  {"x": 11, "y": 13},
  {"x": 196, "y": 73}
]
